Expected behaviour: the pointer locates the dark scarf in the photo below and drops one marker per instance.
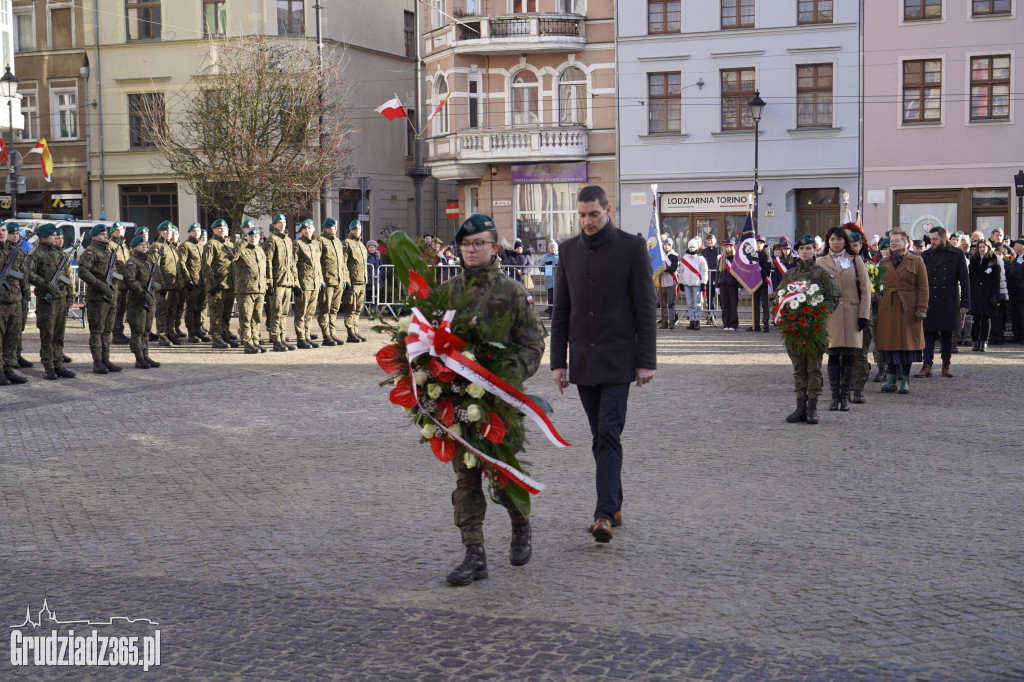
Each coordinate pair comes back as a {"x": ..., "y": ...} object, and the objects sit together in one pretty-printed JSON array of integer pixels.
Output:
[{"x": 896, "y": 260}]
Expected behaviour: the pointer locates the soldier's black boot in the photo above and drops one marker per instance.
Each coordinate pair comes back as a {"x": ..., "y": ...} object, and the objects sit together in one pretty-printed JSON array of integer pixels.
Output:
[
  {"x": 111, "y": 367},
  {"x": 164, "y": 340},
  {"x": 520, "y": 550},
  {"x": 99, "y": 368},
  {"x": 845, "y": 384},
  {"x": 64, "y": 373},
  {"x": 50, "y": 374},
  {"x": 340, "y": 342},
  {"x": 363, "y": 338},
  {"x": 800, "y": 415},
  {"x": 812, "y": 410},
  {"x": 280, "y": 347},
  {"x": 140, "y": 363},
  {"x": 328, "y": 341},
  {"x": 302, "y": 343},
  {"x": 219, "y": 343},
  {"x": 120, "y": 338},
  {"x": 4, "y": 381},
  {"x": 833, "y": 382},
  {"x": 312, "y": 343},
  {"x": 14, "y": 378},
  {"x": 352, "y": 338},
  {"x": 23, "y": 363},
  {"x": 67, "y": 360},
  {"x": 151, "y": 362},
  {"x": 473, "y": 567},
  {"x": 858, "y": 396},
  {"x": 696, "y": 325}
]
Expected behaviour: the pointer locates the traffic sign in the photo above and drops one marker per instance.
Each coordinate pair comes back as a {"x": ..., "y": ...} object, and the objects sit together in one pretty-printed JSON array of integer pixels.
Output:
[{"x": 452, "y": 210}]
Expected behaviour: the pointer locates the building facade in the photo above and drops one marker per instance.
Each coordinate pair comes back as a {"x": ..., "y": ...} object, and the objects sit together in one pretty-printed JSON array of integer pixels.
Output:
[
  {"x": 530, "y": 115},
  {"x": 942, "y": 139},
  {"x": 686, "y": 73},
  {"x": 50, "y": 63},
  {"x": 144, "y": 51}
]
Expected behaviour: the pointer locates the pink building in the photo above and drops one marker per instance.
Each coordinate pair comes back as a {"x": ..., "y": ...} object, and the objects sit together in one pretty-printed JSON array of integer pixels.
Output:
[{"x": 941, "y": 140}]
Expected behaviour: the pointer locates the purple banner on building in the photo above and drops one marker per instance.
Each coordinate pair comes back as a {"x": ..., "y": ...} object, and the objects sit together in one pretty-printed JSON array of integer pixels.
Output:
[{"x": 528, "y": 173}]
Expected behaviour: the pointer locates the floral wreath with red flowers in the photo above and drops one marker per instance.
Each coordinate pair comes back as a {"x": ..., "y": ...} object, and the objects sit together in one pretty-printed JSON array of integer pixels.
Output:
[{"x": 802, "y": 315}]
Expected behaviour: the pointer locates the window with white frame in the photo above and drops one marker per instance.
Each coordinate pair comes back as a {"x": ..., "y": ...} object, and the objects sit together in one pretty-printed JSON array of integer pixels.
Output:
[
  {"x": 525, "y": 99},
  {"x": 30, "y": 111},
  {"x": 441, "y": 119},
  {"x": 438, "y": 13},
  {"x": 64, "y": 105},
  {"x": 572, "y": 97},
  {"x": 474, "y": 101},
  {"x": 24, "y": 32}
]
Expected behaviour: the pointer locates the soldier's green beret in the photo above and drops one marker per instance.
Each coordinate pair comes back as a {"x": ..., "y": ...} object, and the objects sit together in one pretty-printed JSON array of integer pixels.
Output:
[
  {"x": 96, "y": 229},
  {"x": 142, "y": 228},
  {"x": 11, "y": 226},
  {"x": 165, "y": 225},
  {"x": 202, "y": 232},
  {"x": 116, "y": 225},
  {"x": 195, "y": 226},
  {"x": 855, "y": 237},
  {"x": 329, "y": 222},
  {"x": 248, "y": 222},
  {"x": 883, "y": 243},
  {"x": 476, "y": 224},
  {"x": 806, "y": 240},
  {"x": 137, "y": 240},
  {"x": 252, "y": 230},
  {"x": 47, "y": 230},
  {"x": 354, "y": 225},
  {"x": 277, "y": 218},
  {"x": 174, "y": 228},
  {"x": 308, "y": 222},
  {"x": 218, "y": 223}
]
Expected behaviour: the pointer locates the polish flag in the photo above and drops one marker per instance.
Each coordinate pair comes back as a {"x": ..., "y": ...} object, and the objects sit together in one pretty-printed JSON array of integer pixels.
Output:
[{"x": 392, "y": 109}]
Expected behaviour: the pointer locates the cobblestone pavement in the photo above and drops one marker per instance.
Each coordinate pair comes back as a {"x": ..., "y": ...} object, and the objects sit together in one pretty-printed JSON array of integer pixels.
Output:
[{"x": 277, "y": 520}]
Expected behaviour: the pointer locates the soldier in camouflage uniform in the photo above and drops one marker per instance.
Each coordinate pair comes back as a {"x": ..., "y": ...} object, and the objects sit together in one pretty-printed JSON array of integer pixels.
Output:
[
  {"x": 13, "y": 289},
  {"x": 282, "y": 280},
  {"x": 311, "y": 281},
  {"x": 141, "y": 303},
  {"x": 355, "y": 294},
  {"x": 220, "y": 284},
  {"x": 16, "y": 236},
  {"x": 204, "y": 321},
  {"x": 168, "y": 277},
  {"x": 191, "y": 253},
  {"x": 250, "y": 265},
  {"x": 177, "y": 313},
  {"x": 100, "y": 298},
  {"x": 124, "y": 252},
  {"x": 807, "y": 368},
  {"x": 50, "y": 315},
  {"x": 335, "y": 270},
  {"x": 493, "y": 295}
]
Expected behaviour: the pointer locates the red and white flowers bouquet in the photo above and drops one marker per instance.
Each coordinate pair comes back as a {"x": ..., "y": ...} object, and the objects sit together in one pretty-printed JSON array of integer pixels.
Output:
[{"x": 802, "y": 315}]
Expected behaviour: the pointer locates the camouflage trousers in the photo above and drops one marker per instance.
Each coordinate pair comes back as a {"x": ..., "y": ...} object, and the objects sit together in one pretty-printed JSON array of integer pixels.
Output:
[
  {"x": 140, "y": 321},
  {"x": 250, "y": 318},
  {"x": 195, "y": 304},
  {"x": 122, "y": 308},
  {"x": 806, "y": 374},
  {"x": 50, "y": 319},
  {"x": 178, "y": 311},
  {"x": 305, "y": 306},
  {"x": 24, "y": 320},
  {"x": 327, "y": 308},
  {"x": 101, "y": 327},
  {"x": 352, "y": 302},
  {"x": 277, "y": 313},
  {"x": 861, "y": 367},
  {"x": 10, "y": 333},
  {"x": 471, "y": 504},
  {"x": 221, "y": 303},
  {"x": 166, "y": 304}
]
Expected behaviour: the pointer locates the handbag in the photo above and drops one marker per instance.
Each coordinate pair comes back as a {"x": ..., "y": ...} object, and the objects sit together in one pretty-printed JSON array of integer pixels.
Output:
[{"x": 528, "y": 282}]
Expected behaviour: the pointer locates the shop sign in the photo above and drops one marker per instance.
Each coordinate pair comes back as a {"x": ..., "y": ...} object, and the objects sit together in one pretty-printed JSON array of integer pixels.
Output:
[
  {"x": 696, "y": 202},
  {"x": 66, "y": 203},
  {"x": 529, "y": 173}
]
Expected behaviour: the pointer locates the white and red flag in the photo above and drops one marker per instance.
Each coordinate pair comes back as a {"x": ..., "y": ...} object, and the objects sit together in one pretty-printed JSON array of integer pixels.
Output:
[{"x": 392, "y": 109}]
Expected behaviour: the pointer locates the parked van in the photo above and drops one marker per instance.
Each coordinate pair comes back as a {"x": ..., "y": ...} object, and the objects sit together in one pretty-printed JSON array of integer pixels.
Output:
[{"x": 73, "y": 230}]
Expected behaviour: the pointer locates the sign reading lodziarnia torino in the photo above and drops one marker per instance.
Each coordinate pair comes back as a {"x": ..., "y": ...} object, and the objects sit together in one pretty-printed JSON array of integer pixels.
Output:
[{"x": 688, "y": 202}]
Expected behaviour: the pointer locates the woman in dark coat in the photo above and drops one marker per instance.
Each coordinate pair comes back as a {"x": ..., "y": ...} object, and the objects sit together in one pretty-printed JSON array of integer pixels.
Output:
[
  {"x": 988, "y": 288},
  {"x": 729, "y": 289}
]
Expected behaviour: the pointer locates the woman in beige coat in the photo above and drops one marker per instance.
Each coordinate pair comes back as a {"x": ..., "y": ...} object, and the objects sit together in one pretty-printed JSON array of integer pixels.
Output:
[
  {"x": 901, "y": 312},
  {"x": 849, "y": 318}
]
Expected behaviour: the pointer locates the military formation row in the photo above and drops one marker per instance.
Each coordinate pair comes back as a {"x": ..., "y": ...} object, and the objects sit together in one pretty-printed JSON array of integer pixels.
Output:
[{"x": 167, "y": 280}]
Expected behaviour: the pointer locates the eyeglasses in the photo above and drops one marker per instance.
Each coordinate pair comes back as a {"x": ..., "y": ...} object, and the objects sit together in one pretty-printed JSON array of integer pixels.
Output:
[{"x": 476, "y": 245}]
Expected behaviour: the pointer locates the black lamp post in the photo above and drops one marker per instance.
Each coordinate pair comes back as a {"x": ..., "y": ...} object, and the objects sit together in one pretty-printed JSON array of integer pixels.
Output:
[
  {"x": 756, "y": 110},
  {"x": 1018, "y": 182},
  {"x": 9, "y": 88}
]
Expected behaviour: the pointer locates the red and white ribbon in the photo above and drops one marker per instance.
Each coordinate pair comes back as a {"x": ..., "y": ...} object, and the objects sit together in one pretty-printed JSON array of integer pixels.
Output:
[{"x": 793, "y": 289}]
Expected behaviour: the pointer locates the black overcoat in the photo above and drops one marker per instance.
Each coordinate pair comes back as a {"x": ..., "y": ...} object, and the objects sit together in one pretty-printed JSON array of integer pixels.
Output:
[
  {"x": 985, "y": 276},
  {"x": 604, "y": 312},
  {"x": 948, "y": 285}
]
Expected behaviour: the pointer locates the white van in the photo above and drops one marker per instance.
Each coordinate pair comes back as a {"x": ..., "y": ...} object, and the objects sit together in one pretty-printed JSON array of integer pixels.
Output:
[{"x": 73, "y": 230}]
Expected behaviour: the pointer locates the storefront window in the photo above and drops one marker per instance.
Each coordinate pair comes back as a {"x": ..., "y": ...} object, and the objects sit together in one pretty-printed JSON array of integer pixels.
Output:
[
  {"x": 918, "y": 219},
  {"x": 734, "y": 226},
  {"x": 545, "y": 211}
]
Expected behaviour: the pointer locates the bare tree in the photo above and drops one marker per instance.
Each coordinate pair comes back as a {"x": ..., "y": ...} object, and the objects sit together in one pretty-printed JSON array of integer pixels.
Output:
[{"x": 261, "y": 131}]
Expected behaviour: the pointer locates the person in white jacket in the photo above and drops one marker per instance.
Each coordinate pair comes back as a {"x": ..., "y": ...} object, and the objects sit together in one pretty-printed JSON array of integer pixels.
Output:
[{"x": 693, "y": 274}]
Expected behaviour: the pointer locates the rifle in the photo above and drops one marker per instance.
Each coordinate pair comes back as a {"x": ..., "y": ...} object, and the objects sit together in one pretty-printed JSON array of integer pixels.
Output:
[
  {"x": 152, "y": 275},
  {"x": 112, "y": 273},
  {"x": 58, "y": 276},
  {"x": 8, "y": 272}
]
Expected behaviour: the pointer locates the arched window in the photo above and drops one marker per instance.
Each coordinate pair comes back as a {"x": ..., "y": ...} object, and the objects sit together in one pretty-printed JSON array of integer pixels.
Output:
[
  {"x": 441, "y": 120},
  {"x": 572, "y": 97},
  {"x": 525, "y": 99}
]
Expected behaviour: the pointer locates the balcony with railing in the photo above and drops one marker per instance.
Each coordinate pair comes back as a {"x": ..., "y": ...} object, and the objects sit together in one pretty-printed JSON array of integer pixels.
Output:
[
  {"x": 519, "y": 33},
  {"x": 513, "y": 144}
]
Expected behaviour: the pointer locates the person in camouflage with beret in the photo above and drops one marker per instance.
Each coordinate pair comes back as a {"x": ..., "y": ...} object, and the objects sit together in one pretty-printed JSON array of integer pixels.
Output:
[
  {"x": 282, "y": 280},
  {"x": 250, "y": 265},
  {"x": 120, "y": 245},
  {"x": 141, "y": 303},
  {"x": 13, "y": 290},
  {"x": 311, "y": 281},
  {"x": 100, "y": 298},
  {"x": 191, "y": 260},
  {"x": 335, "y": 270},
  {"x": 220, "y": 285},
  {"x": 493, "y": 295},
  {"x": 51, "y": 314},
  {"x": 354, "y": 296},
  {"x": 169, "y": 277},
  {"x": 16, "y": 236}
]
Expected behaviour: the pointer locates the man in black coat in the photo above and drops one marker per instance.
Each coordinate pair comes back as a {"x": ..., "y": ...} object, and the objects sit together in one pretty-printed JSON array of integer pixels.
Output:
[
  {"x": 604, "y": 314},
  {"x": 762, "y": 309},
  {"x": 1015, "y": 287},
  {"x": 949, "y": 290},
  {"x": 711, "y": 254}
]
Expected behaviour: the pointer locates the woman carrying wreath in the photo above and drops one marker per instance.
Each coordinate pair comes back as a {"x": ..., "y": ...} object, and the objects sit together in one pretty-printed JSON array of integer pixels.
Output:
[
  {"x": 901, "y": 312},
  {"x": 851, "y": 316},
  {"x": 807, "y": 361}
]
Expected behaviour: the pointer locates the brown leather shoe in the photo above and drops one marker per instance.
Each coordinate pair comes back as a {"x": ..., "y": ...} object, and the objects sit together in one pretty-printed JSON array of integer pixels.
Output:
[
  {"x": 617, "y": 519},
  {"x": 926, "y": 371},
  {"x": 945, "y": 370},
  {"x": 601, "y": 529}
]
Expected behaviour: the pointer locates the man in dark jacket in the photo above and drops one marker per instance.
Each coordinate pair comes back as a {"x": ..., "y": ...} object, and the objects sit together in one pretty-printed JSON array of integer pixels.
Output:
[
  {"x": 761, "y": 307},
  {"x": 604, "y": 314},
  {"x": 711, "y": 254},
  {"x": 949, "y": 289},
  {"x": 1015, "y": 287}
]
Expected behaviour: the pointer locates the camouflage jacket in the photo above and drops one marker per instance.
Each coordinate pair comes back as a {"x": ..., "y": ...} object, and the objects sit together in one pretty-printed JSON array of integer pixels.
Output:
[
  {"x": 168, "y": 266},
  {"x": 191, "y": 254},
  {"x": 332, "y": 261},
  {"x": 355, "y": 252},
  {"x": 307, "y": 263},
  {"x": 281, "y": 260},
  {"x": 495, "y": 296},
  {"x": 250, "y": 270},
  {"x": 136, "y": 275},
  {"x": 124, "y": 254},
  {"x": 217, "y": 257},
  {"x": 42, "y": 264},
  {"x": 92, "y": 268},
  {"x": 19, "y": 288}
]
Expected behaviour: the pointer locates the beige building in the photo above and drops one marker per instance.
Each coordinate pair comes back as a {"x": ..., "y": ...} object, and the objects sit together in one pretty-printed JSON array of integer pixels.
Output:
[
  {"x": 531, "y": 116},
  {"x": 51, "y": 66},
  {"x": 143, "y": 50}
]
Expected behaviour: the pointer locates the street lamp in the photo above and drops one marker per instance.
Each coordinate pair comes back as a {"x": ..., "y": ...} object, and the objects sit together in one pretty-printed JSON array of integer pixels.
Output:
[
  {"x": 756, "y": 110},
  {"x": 1018, "y": 182},
  {"x": 9, "y": 88}
]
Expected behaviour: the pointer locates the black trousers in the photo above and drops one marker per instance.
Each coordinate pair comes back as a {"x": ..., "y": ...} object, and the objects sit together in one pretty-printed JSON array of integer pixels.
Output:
[
  {"x": 1016, "y": 309},
  {"x": 946, "y": 353},
  {"x": 730, "y": 299},
  {"x": 605, "y": 406},
  {"x": 761, "y": 307}
]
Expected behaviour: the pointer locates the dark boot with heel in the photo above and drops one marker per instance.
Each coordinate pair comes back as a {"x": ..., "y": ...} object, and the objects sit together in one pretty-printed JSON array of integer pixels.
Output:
[{"x": 473, "y": 567}]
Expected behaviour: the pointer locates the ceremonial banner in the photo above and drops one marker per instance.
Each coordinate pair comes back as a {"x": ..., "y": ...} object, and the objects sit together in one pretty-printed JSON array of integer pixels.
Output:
[
  {"x": 745, "y": 267},
  {"x": 654, "y": 247}
]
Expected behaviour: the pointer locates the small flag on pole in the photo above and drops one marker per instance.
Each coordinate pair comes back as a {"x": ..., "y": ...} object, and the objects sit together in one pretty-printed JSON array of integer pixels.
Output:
[
  {"x": 3, "y": 151},
  {"x": 654, "y": 247},
  {"x": 439, "y": 107},
  {"x": 45, "y": 160},
  {"x": 392, "y": 109}
]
